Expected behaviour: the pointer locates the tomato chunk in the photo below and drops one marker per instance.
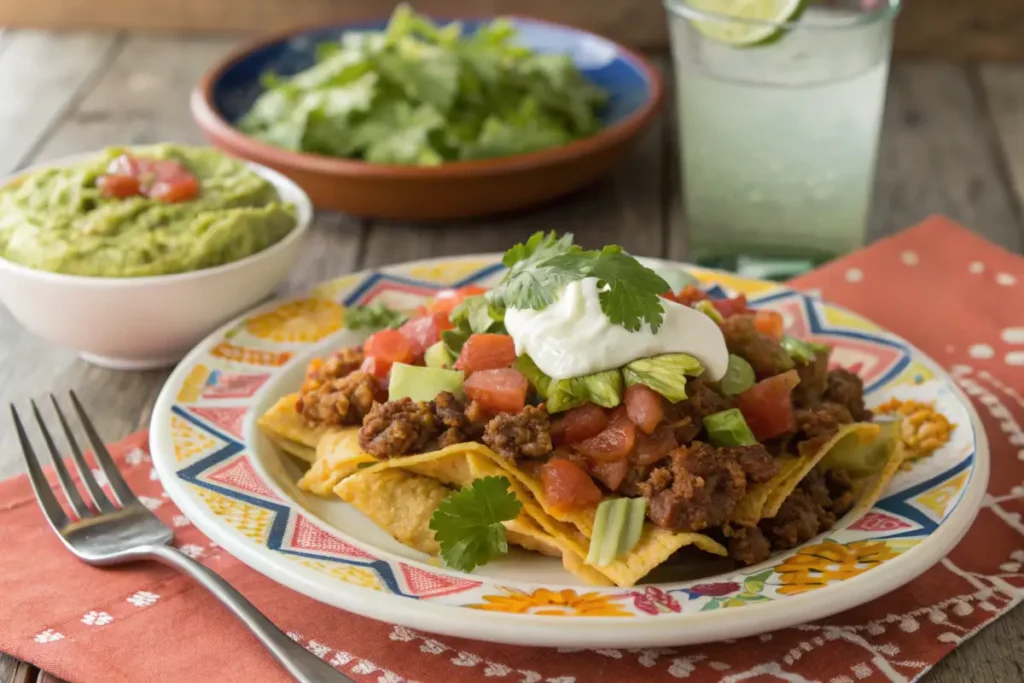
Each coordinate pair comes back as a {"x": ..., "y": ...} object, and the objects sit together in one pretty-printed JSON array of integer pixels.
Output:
[
  {"x": 118, "y": 186},
  {"x": 769, "y": 323},
  {"x": 766, "y": 406},
  {"x": 501, "y": 390},
  {"x": 425, "y": 331},
  {"x": 643, "y": 405},
  {"x": 614, "y": 442},
  {"x": 567, "y": 486},
  {"x": 650, "y": 449},
  {"x": 579, "y": 423},
  {"x": 610, "y": 473},
  {"x": 486, "y": 352},
  {"x": 179, "y": 189},
  {"x": 447, "y": 299},
  {"x": 687, "y": 296},
  {"x": 377, "y": 368},
  {"x": 386, "y": 348},
  {"x": 727, "y": 307}
]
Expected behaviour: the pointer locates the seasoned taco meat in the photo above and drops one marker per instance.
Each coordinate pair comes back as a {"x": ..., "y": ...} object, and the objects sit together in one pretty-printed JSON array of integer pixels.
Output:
[
  {"x": 339, "y": 401},
  {"x": 764, "y": 354},
  {"x": 840, "y": 491},
  {"x": 699, "y": 485},
  {"x": 702, "y": 400},
  {"x": 816, "y": 426},
  {"x": 454, "y": 421},
  {"x": 520, "y": 435},
  {"x": 813, "y": 381},
  {"x": 398, "y": 428},
  {"x": 847, "y": 389},
  {"x": 749, "y": 545}
]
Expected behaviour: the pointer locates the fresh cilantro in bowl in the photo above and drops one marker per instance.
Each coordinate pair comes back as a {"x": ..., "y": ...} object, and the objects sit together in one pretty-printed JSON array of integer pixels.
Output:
[{"x": 421, "y": 94}]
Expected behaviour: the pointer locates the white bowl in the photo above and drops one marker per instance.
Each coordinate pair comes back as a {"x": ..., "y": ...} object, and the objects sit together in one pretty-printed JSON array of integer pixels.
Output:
[{"x": 148, "y": 322}]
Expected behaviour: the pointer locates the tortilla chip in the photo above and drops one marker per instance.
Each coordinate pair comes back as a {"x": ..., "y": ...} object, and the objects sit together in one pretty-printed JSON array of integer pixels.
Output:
[
  {"x": 749, "y": 510},
  {"x": 285, "y": 427},
  {"x": 868, "y": 489},
  {"x": 337, "y": 456},
  {"x": 655, "y": 546},
  {"x": 522, "y": 531},
  {"x": 399, "y": 502},
  {"x": 864, "y": 432}
]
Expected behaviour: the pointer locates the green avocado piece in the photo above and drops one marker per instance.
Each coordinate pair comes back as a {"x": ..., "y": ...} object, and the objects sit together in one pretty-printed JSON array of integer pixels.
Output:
[
  {"x": 423, "y": 384},
  {"x": 437, "y": 356},
  {"x": 728, "y": 428}
]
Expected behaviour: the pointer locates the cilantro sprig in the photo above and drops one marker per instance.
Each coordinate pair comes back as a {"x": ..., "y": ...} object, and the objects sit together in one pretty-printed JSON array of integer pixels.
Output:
[
  {"x": 375, "y": 316},
  {"x": 630, "y": 293},
  {"x": 468, "y": 523}
]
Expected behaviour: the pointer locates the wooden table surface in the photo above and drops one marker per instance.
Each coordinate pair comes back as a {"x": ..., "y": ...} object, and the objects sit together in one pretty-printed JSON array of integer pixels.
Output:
[{"x": 953, "y": 143}]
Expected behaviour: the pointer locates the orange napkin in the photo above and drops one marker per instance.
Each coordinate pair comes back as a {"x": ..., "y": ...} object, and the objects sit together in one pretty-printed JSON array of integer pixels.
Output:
[{"x": 959, "y": 298}]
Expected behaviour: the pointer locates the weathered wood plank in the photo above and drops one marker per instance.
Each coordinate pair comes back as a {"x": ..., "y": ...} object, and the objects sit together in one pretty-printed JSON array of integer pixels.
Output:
[
  {"x": 939, "y": 155},
  {"x": 41, "y": 75},
  {"x": 142, "y": 97},
  {"x": 1004, "y": 90},
  {"x": 624, "y": 208},
  {"x": 996, "y": 654}
]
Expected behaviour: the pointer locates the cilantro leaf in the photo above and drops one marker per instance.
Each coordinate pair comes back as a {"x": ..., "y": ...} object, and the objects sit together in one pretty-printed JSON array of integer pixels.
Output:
[
  {"x": 375, "y": 316},
  {"x": 630, "y": 292},
  {"x": 468, "y": 523},
  {"x": 472, "y": 316}
]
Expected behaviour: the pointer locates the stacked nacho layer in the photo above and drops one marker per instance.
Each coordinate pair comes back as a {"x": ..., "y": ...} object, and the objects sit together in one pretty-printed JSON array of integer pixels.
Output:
[{"x": 400, "y": 494}]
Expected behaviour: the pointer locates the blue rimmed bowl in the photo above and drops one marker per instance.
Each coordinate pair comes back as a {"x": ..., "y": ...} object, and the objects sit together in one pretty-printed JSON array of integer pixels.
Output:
[{"x": 456, "y": 190}]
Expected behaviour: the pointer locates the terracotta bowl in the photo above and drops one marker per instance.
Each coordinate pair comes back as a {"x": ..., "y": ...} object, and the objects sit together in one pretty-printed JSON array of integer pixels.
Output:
[{"x": 462, "y": 189}]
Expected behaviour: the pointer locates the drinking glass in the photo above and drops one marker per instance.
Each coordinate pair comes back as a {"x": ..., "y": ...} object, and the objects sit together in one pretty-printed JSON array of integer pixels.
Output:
[{"x": 779, "y": 139}]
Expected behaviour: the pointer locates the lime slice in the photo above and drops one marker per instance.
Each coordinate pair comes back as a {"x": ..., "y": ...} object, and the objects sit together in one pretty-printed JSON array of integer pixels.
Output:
[{"x": 757, "y": 23}]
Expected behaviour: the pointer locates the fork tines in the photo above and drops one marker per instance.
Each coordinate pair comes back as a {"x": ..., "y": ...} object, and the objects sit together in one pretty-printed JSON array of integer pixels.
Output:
[{"x": 99, "y": 500}]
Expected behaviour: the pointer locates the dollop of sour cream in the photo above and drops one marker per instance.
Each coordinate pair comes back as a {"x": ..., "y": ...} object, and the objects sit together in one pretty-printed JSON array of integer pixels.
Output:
[{"x": 573, "y": 336}]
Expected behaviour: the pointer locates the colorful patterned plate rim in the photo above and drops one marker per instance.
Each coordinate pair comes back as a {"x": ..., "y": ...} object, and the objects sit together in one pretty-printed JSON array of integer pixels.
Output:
[{"x": 240, "y": 491}]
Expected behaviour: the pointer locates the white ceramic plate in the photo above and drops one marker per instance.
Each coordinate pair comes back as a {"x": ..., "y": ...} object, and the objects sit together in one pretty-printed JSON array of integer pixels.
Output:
[{"x": 240, "y": 490}]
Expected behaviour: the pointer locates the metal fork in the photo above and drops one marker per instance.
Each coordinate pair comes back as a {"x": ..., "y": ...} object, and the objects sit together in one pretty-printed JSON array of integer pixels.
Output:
[{"x": 120, "y": 531}]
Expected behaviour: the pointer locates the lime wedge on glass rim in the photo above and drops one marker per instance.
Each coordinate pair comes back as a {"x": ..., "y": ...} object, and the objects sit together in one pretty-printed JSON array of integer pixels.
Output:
[{"x": 757, "y": 21}]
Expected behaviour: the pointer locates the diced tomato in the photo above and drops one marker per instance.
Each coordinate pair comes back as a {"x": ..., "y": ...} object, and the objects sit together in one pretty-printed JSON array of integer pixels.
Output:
[
  {"x": 614, "y": 442},
  {"x": 769, "y": 323},
  {"x": 727, "y": 307},
  {"x": 650, "y": 449},
  {"x": 643, "y": 405},
  {"x": 567, "y": 486},
  {"x": 118, "y": 186},
  {"x": 766, "y": 406},
  {"x": 447, "y": 299},
  {"x": 579, "y": 423},
  {"x": 486, "y": 352},
  {"x": 425, "y": 331},
  {"x": 179, "y": 189},
  {"x": 377, "y": 368},
  {"x": 162, "y": 179},
  {"x": 501, "y": 390},
  {"x": 386, "y": 348},
  {"x": 610, "y": 473},
  {"x": 687, "y": 296}
]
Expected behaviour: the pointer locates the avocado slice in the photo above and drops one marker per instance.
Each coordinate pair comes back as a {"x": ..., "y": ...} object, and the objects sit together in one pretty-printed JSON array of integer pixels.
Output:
[
  {"x": 437, "y": 356},
  {"x": 423, "y": 384},
  {"x": 618, "y": 525}
]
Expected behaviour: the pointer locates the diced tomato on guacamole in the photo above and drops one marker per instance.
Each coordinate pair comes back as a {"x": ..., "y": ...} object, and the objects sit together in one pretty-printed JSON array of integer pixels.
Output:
[
  {"x": 501, "y": 390},
  {"x": 486, "y": 352}
]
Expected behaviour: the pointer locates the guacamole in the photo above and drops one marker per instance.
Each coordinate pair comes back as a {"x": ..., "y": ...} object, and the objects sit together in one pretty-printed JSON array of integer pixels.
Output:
[{"x": 60, "y": 220}]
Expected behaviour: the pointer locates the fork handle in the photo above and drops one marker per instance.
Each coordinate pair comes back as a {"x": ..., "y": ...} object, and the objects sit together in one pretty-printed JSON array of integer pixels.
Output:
[{"x": 302, "y": 664}]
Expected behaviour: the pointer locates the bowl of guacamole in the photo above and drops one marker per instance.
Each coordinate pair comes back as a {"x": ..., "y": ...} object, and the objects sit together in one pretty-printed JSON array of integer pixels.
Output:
[
  {"x": 132, "y": 255},
  {"x": 140, "y": 212}
]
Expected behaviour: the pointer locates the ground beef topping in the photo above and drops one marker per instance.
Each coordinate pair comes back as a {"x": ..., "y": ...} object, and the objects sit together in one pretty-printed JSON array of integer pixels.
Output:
[
  {"x": 341, "y": 401},
  {"x": 520, "y": 435},
  {"x": 847, "y": 389},
  {"x": 696, "y": 488},
  {"x": 748, "y": 545},
  {"x": 337, "y": 365},
  {"x": 764, "y": 354},
  {"x": 816, "y": 426},
  {"x": 454, "y": 421},
  {"x": 813, "y": 381},
  {"x": 757, "y": 463},
  {"x": 398, "y": 428},
  {"x": 702, "y": 400}
]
